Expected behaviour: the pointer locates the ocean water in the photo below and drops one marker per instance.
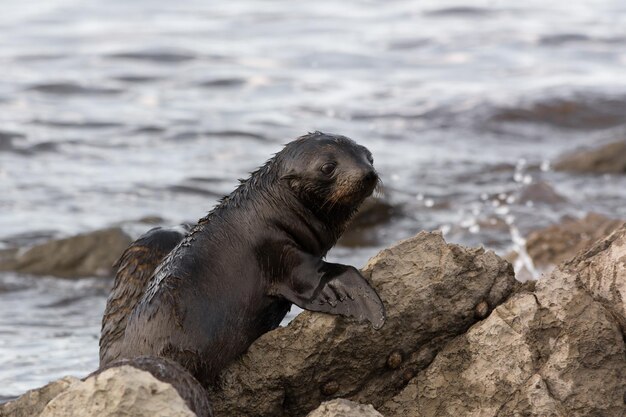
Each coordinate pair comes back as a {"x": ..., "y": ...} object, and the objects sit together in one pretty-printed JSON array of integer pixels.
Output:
[{"x": 111, "y": 112}]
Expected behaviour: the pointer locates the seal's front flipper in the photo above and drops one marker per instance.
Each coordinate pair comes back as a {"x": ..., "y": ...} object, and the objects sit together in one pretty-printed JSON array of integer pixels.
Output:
[{"x": 335, "y": 289}]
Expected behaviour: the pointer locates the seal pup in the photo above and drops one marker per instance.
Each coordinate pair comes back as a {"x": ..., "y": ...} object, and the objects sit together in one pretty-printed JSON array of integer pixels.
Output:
[{"x": 236, "y": 274}]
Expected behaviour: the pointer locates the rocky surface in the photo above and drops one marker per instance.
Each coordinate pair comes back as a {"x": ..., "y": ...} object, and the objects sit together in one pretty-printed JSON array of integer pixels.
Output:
[
  {"x": 32, "y": 403},
  {"x": 557, "y": 350},
  {"x": 601, "y": 271},
  {"x": 560, "y": 242},
  {"x": 86, "y": 255},
  {"x": 122, "y": 390},
  {"x": 432, "y": 291},
  {"x": 462, "y": 339},
  {"x": 170, "y": 372},
  {"x": 607, "y": 159},
  {"x": 344, "y": 408},
  {"x": 540, "y": 192}
]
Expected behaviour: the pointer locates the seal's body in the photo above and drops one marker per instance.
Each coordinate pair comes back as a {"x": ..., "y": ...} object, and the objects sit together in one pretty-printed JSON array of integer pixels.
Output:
[
  {"x": 134, "y": 269},
  {"x": 235, "y": 275}
]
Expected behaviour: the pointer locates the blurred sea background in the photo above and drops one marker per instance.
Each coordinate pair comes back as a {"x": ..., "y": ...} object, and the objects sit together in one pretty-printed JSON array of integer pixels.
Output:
[{"x": 142, "y": 113}]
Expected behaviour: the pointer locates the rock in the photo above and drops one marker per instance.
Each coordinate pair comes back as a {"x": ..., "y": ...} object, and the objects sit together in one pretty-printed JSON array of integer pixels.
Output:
[
  {"x": 32, "y": 403},
  {"x": 172, "y": 373},
  {"x": 579, "y": 112},
  {"x": 607, "y": 159},
  {"x": 540, "y": 192},
  {"x": 122, "y": 390},
  {"x": 344, "y": 408},
  {"x": 430, "y": 290},
  {"x": 90, "y": 254},
  {"x": 555, "y": 350},
  {"x": 362, "y": 230},
  {"x": 601, "y": 271},
  {"x": 557, "y": 243}
]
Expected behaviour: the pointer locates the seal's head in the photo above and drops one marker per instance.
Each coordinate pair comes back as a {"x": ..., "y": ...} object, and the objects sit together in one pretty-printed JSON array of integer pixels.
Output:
[{"x": 330, "y": 174}]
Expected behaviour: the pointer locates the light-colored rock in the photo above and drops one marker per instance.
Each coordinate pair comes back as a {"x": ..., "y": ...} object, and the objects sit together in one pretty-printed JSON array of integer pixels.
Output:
[
  {"x": 119, "y": 391},
  {"x": 32, "y": 403},
  {"x": 89, "y": 254},
  {"x": 552, "y": 245},
  {"x": 555, "y": 244},
  {"x": 169, "y": 372},
  {"x": 556, "y": 351},
  {"x": 607, "y": 159},
  {"x": 431, "y": 291},
  {"x": 344, "y": 408},
  {"x": 601, "y": 270}
]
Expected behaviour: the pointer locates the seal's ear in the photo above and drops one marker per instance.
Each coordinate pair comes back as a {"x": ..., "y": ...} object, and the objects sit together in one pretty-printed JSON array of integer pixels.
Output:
[{"x": 335, "y": 289}]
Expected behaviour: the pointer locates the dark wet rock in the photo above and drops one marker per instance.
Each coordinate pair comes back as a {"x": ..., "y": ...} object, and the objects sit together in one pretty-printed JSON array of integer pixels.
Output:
[
  {"x": 540, "y": 192},
  {"x": 607, "y": 159},
  {"x": 32, "y": 403},
  {"x": 171, "y": 373},
  {"x": 430, "y": 290},
  {"x": 89, "y": 254},
  {"x": 374, "y": 212},
  {"x": 582, "y": 112},
  {"x": 122, "y": 390},
  {"x": 164, "y": 56},
  {"x": 344, "y": 408},
  {"x": 72, "y": 89},
  {"x": 560, "y": 242},
  {"x": 553, "y": 350}
]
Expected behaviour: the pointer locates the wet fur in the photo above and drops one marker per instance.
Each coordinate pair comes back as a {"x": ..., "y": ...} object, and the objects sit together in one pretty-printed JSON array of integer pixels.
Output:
[{"x": 227, "y": 282}]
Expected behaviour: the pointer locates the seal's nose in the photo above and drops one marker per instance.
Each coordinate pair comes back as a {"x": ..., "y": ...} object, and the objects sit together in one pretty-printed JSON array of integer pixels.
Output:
[{"x": 370, "y": 176}]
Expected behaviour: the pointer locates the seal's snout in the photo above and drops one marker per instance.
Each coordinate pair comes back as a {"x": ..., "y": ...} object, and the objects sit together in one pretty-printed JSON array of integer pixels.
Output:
[{"x": 370, "y": 177}]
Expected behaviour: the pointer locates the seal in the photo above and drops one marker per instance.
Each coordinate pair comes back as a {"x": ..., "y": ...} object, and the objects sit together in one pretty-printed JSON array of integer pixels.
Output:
[
  {"x": 134, "y": 269},
  {"x": 237, "y": 272}
]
